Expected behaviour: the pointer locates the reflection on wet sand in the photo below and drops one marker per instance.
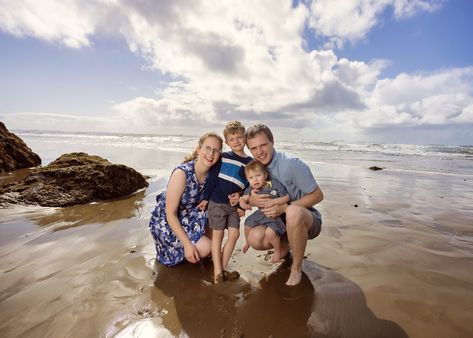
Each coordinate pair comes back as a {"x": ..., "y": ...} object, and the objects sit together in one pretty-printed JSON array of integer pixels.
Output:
[
  {"x": 100, "y": 212},
  {"x": 325, "y": 304}
]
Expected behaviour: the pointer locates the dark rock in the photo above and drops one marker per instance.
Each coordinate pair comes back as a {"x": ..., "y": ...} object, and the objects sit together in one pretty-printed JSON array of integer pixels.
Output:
[
  {"x": 375, "y": 168},
  {"x": 75, "y": 178},
  {"x": 14, "y": 153},
  {"x": 355, "y": 205}
]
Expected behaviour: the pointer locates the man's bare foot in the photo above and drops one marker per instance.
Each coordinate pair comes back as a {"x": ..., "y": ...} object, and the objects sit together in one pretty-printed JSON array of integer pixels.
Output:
[
  {"x": 246, "y": 247},
  {"x": 294, "y": 278}
]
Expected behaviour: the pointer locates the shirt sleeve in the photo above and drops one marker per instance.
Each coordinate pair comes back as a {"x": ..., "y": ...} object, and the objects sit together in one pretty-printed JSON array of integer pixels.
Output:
[
  {"x": 211, "y": 181},
  {"x": 302, "y": 176}
]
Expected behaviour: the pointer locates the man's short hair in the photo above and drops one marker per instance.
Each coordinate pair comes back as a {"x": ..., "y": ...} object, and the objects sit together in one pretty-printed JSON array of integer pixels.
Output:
[
  {"x": 233, "y": 127},
  {"x": 252, "y": 131}
]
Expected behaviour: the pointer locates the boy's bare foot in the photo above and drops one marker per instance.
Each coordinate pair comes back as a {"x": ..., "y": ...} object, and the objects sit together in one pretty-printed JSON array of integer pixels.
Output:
[
  {"x": 294, "y": 277},
  {"x": 219, "y": 278},
  {"x": 246, "y": 247}
]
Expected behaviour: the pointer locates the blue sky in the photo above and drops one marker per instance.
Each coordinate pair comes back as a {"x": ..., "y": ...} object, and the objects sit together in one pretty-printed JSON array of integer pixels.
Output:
[{"x": 389, "y": 71}]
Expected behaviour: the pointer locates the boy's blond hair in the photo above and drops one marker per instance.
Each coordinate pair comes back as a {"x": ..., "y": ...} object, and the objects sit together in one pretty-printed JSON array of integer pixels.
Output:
[
  {"x": 233, "y": 127},
  {"x": 255, "y": 166}
]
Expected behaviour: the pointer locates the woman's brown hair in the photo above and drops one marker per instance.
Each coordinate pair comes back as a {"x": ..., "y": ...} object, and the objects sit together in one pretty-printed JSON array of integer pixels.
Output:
[{"x": 194, "y": 154}]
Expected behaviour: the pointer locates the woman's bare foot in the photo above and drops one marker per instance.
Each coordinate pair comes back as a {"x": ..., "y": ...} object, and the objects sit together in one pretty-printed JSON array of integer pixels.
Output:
[{"x": 294, "y": 278}]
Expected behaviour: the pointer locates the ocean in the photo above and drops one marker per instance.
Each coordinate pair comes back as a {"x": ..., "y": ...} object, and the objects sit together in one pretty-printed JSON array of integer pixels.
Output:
[{"x": 401, "y": 157}]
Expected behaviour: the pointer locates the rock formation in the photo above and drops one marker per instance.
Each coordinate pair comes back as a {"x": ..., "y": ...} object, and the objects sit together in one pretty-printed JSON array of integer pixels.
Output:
[
  {"x": 14, "y": 153},
  {"x": 75, "y": 178}
]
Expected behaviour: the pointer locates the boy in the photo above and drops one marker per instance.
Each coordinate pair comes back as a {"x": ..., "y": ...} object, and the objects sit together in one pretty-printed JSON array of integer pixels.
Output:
[
  {"x": 258, "y": 177},
  {"x": 226, "y": 178}
]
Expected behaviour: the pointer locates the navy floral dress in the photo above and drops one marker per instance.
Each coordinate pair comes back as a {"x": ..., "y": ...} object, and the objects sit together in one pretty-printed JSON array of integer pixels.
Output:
[{"x": 169, "y": 249}]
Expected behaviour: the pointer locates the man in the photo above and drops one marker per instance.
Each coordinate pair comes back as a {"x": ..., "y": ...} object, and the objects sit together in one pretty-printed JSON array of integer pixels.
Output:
[{"x": 303, "y": 222}]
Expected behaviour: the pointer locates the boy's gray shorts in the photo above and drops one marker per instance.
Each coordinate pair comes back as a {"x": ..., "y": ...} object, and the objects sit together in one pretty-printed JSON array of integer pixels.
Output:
[{"x": 223, "y": 216}]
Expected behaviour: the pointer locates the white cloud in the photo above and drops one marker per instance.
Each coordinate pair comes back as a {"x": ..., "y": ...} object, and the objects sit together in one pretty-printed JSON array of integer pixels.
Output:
[
  {"x": 51, "y": 121},
  {"x": 67, "y": 22},
  {"x": 350, "y": 20},
  {"x": 442, "y": 98},
  {"x": 247, "y": 59}
]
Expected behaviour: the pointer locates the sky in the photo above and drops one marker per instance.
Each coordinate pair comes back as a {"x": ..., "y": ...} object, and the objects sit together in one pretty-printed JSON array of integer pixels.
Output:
[{"x": 393, "y": 71}]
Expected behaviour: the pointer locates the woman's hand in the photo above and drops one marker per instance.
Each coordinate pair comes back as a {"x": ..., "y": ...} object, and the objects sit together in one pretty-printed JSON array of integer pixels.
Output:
[
  {"x": 191, "y": 253},
  {"x": 203, "y": 205}
]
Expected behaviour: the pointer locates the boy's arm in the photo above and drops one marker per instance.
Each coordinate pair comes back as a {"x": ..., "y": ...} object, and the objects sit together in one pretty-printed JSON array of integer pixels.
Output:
[{"x": 211, "y": 181}]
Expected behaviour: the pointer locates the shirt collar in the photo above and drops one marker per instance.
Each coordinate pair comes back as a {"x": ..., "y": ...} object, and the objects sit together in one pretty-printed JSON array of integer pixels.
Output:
[{"x": 272, "y": 163}]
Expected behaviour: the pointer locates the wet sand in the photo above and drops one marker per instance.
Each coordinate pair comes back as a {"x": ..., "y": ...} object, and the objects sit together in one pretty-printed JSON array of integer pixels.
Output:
[{"x": 398, "y": 265}]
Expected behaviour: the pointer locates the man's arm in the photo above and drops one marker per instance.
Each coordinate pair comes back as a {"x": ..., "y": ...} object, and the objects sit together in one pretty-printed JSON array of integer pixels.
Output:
[
  {"x": 278, "y": 200},
  {"x": 310, "y": 199},
  {"x": 258, "y": 200}
]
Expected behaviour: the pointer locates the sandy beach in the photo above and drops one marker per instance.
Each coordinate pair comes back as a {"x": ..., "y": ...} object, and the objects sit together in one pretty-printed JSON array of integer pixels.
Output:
[{"x": 398, "y": 264}]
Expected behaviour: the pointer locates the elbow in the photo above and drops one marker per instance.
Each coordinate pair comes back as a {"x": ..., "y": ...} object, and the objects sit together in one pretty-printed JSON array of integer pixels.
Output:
[{"x": 320, "y": 196}]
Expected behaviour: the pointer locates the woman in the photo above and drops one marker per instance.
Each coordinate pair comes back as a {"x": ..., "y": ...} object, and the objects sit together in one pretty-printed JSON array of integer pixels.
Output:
[{"x": 178, "y": 226}]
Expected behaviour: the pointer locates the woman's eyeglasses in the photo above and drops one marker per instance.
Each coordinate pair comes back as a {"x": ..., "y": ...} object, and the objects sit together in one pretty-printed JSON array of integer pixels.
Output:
[{"x": 210, "y": 151}]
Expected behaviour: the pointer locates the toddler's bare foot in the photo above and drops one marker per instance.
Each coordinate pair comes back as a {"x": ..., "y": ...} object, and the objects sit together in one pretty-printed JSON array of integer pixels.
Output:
[
  {"x": 284, "y": 252},
  {"x": 246, "y": 247},
  {"x": 276, "y": 257},
  {"x": 294, "y": 278}
]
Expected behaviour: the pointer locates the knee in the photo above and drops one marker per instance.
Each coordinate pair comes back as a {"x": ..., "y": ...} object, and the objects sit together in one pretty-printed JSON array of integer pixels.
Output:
[
  {"x": 204, "y": 247},
  {"x": 294, "y": 217},
  {"x": 204, "y": 251},
  {"x": 256, "y": 239},
  {"x": 270, "y": 234}
]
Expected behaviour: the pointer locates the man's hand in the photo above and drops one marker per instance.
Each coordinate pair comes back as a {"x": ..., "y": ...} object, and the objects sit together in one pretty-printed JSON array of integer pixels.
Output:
[
  {"x": 241, "y": 212},
  {"x": 274, "y": 211},
  {"x": 203, "y": 205},
  {"x": 258, "y": 200}
]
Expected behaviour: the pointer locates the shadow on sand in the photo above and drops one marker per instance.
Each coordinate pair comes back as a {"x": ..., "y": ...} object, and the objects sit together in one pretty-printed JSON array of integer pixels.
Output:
[{"x": 324, "y": 304}]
